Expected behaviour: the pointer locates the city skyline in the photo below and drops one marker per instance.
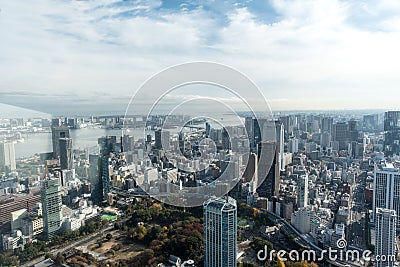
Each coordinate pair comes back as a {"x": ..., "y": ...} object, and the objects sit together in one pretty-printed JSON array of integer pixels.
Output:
[{"x": 88, "y": 55}]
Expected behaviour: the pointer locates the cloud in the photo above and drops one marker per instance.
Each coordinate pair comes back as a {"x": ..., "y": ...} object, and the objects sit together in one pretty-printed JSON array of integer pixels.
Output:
[{"x": 334, "y": 51}]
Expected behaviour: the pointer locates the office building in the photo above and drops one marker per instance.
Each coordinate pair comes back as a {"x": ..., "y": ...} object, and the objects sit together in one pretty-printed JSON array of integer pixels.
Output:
[
  {"x": 280, "y": 131},
  {"x": 301, "y": 220},
  {"x": 162, "y": 139},
  {"x": 51, "y": 205},
  {"x": 66, "y": 156},
  {"x": 58, "y": 132},
  {"x": 268, "y": 170},
  {"x": 127, "y": 143},
  {"x": 302, "y": 191},
  {"x": 370, "y": 122},
  {"x": 251, "y": 172},
  {"x": 385, "y": 237},
  {"x": 387, "y": 188},
  {"x": 248, "y": 123},
  {"x": 340, "y": 134},
  {"x": 220, "y": 232},
  {"x": 7, "y": 156},
  {"x": 102, "y": 187},
  {"x": 226, "y": 142},
  {"x": 293, "y": 145},
  {"x": 352, "y": 130},
  {"x": 392, "y": 132},
  {"x": 326, "y": 124}
]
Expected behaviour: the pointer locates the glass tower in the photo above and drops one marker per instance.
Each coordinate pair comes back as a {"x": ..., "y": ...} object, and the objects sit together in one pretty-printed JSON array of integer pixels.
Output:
[{"x": 220, "y": 232}]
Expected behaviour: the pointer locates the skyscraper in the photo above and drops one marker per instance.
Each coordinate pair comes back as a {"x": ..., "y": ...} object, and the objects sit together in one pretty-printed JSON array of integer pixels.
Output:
[
  {"x": 370, "y": 122},
  {"x": 66, "y": 158},
  {"x": 58, "y": 132},
  {"x": 353, "y": 130},
  {"x": 326, "y": 124},
  {"x": 94, "y": 175},
  {"x": 226, "y": 135},
  {"x": 340, "y": 134},
  {"x": 51, "y": 204},
  {"x": 248, "y": 122},
  {"x": 387, "y": 188},
  {"x": 220, "y": 232},
  {"x": 302, "y": 191},
  {"x": 268, "y": 168},
  {"x": 280, "y": 138},
  {"x": 128, "y": 143},
  {"x": 162, "y": 139},
  {"x": 392, "y": 132},
  {"x": 107, "y": 145},
  {"x": 7, "y": 156},
  {"x": 385, "y": 238}
]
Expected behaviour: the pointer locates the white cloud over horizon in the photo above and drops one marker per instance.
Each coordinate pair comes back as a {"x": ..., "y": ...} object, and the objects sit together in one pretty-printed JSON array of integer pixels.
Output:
[{"x": 302, "y": 54}]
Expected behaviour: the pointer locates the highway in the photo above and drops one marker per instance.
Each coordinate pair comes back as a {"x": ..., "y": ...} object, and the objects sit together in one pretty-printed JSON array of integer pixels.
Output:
[{"x": 311, "y": 245}]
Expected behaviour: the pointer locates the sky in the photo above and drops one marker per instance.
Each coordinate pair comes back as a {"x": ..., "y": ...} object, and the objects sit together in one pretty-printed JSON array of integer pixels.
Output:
[{"x": 77, "y": 57}]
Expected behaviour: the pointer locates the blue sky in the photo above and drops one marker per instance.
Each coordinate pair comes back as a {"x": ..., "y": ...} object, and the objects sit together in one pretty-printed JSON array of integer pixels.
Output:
[{"x": 58, "y": 56}]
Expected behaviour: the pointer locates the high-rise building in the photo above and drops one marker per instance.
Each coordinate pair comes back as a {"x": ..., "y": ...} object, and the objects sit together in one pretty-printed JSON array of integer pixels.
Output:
[
  {"x": 387, "y": 188},
  {"x": 66, "y": 157},
  {"x": 7, "y": 156},
  {"x": 248, "y": 123},
  {"x": 340, "y": 134},
  {"x": 94, "y": 176},
  {"x": 326, "y": 124},
  {"x": 268, "y": 164},
  {"x": 370, "y": 122},
  {"x": 104, "y": 180},
  {"x": 108, "y": 145},
  {"x": 127, "y": 143},
  {"x": 58, "y": 132},
  {"x": 293, "y": 145},
  {"x": 392, "y": 132},
  {"x": 162, "y": 139},
  {"x": 385, "y": 238},
  {"x": 302, "y": 191},
  {"x": 353, "y": 130},
  {"x": 226, "y": 142},
  {"x": 56, "y": 122},
  {"x": 280, "y": 131},
  {"x": 220, "y": 232},
  {"x": 325, "y": 139},
  {"x": 51, "y": 205}
]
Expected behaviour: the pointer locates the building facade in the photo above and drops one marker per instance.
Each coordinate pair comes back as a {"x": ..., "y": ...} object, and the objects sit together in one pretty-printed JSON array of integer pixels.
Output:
[
  {"x": 51, "y": 205},
  {"x": 385, "y": 238},
  {"x": 220, "y": 232}
]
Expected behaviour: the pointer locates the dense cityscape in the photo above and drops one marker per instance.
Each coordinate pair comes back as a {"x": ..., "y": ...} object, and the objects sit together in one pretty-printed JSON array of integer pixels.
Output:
[{"x": 331, "y": 182}]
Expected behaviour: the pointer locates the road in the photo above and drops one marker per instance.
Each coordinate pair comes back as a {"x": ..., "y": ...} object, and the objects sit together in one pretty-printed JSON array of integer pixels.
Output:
[
  {"x": 310, "y": 244},
  {"x": 70, "y": 246}
]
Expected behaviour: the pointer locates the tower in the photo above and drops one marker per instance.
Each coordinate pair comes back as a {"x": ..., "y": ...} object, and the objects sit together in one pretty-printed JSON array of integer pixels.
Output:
[
  {"x": 268, "y": 166},
  {"x": 162, "y": 138},
  {"x": 7, "y": 156},
  {"x": 302, "y": 191},
  {"x": 107, "y": 145},
  {"x": 385, "y": 238},
  {"x": 392, "y": 132},
  {"x": 58, "y": 132},
  {"x": 340, "y": 134},
  {"x": 51, "y": 205},
  {"x": 66, "y": 159},
  {"x": 220, "y": 232},
  {"x": 387, "y": 188}
]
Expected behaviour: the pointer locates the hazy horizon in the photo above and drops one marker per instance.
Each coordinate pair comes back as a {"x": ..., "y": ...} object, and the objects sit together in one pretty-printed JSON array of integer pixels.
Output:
[{"x": 80, "y": 56}]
